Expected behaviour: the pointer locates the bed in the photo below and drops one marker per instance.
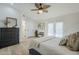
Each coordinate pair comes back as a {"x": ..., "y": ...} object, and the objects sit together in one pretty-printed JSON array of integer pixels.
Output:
[{"x": 50, "y": 46}]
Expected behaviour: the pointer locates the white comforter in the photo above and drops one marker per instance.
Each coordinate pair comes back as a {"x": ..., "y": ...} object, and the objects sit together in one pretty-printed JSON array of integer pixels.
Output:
[
  {"x": 50, "y": 46},
  {"x": 37, "y": 41}
]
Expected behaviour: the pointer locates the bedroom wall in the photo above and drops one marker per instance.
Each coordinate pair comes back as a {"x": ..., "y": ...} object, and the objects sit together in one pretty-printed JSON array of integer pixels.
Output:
[
  {"x": 7, "y": 11},
  {"x": 70, "y": 22},
  {"x": 31, "y": 26}
]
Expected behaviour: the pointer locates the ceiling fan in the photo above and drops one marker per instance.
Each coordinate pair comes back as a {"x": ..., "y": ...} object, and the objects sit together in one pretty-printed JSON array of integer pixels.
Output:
[{"x": 41, "y": 7}]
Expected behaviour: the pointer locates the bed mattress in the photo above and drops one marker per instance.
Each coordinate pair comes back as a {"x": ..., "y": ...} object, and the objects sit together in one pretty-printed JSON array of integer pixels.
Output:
[{"x": 51, "y": 47}]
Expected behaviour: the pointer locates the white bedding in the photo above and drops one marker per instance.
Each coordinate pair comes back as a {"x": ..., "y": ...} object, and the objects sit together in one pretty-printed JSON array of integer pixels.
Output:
[
  {"x": 51, "y": 47},
  {"x": 35, "y": 42}
]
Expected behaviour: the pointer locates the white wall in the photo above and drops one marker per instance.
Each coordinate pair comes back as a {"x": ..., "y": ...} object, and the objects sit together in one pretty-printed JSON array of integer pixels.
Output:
[
  {"x": 71, "y": 22},
  {"x": 31, "y": 26},
  {"x": 7, "y": 11}
]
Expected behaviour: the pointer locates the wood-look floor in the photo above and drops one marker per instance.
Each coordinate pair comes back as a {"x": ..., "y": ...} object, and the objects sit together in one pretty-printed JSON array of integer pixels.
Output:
[{"x": 18, "y": 49}]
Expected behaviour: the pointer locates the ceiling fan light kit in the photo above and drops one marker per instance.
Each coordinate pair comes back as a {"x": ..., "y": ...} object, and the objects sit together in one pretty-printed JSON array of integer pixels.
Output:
[{"x": 40, "y": 11}]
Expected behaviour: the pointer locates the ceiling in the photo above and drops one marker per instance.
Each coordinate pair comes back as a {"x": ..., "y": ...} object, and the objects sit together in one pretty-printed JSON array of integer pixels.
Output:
[{"x": 56, "y": 9}]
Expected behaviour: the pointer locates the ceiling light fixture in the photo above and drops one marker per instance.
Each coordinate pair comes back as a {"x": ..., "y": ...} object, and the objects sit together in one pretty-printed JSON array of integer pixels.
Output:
[{"x": 40, "y": 11}]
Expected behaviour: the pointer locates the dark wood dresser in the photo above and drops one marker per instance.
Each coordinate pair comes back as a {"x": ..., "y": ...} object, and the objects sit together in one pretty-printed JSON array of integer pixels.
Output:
[{"x": 9, "y": 36}]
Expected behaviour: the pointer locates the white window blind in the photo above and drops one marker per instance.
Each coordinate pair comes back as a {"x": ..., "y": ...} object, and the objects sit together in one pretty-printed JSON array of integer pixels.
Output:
[
  {"x": 50, "y": 29},
  {"x": 59, "y": 29},
  {"x": 55, "y": 29}
]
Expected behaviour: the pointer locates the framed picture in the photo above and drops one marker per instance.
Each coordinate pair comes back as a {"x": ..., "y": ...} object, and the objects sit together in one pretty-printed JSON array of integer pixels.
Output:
[{"x": 11, "y": 22}]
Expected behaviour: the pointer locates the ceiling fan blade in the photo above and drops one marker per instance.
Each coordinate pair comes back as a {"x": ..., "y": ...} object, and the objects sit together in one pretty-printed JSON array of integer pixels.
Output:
[
  {"x": 34, "y": 9},
  {"x": 38, "y": 5},
  {"x": 44, "y": 10},
  {"x": 46, "y": 6}
]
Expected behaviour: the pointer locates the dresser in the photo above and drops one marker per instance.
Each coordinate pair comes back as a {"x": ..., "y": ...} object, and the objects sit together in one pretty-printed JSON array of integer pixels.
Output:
[{"x": 9, "y": 36}]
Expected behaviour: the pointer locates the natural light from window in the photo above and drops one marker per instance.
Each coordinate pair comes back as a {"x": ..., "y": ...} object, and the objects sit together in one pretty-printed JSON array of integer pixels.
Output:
[
  {"x": 55, "y": 29},
  {"x": 59, "y": 29},
  {"x": 50, "y": 29}
]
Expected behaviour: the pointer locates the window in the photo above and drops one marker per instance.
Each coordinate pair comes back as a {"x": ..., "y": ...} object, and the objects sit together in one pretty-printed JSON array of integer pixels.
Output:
[
  {"x": 50, "y": 29},
  {"x": 59, "y": 29},
  {"x": 55, "y": 29}
]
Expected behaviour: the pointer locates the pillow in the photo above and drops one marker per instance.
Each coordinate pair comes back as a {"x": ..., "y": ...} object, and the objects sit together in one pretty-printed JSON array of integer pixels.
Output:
[
  {"x": 63, "y": 42},
  {"x": 73, "y": 41},
  {"x": 76, "y": 45}
]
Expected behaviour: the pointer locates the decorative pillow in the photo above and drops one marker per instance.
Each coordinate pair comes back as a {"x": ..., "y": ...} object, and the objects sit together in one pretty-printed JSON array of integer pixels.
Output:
[
  {"x": 63, "y": 42},
  {"x": 73, "y": 41},
  {"x": 76, "y": 45}
]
